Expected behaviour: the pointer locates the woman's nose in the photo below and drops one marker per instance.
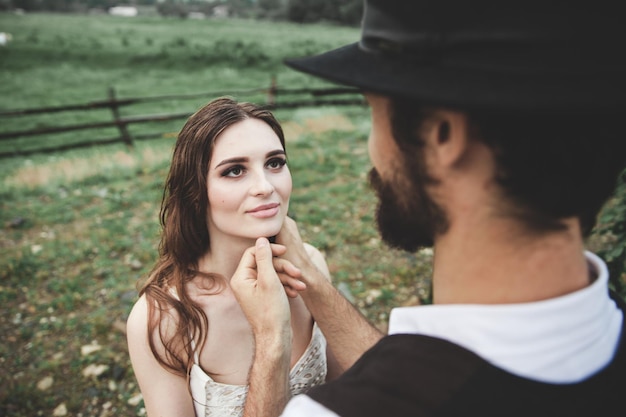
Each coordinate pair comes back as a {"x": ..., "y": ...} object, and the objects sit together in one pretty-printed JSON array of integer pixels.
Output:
[{"x": 261, "y": 185}]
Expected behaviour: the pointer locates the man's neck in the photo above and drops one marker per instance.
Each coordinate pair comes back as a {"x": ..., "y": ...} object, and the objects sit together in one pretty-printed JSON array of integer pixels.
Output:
[{"x": 498, "y": 262}]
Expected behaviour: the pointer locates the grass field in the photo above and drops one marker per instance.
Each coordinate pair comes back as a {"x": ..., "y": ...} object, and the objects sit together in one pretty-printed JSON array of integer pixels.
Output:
[
  {"x": 79, "y": 228},
  {"x": 65, "y": 59}
]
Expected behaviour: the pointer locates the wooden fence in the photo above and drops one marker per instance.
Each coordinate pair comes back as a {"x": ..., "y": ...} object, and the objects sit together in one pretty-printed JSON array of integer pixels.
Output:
[{"x": 273, "y": 100}]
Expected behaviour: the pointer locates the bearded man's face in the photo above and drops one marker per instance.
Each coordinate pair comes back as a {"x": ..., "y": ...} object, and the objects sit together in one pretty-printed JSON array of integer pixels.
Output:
[{"x": 407, "y": 216}]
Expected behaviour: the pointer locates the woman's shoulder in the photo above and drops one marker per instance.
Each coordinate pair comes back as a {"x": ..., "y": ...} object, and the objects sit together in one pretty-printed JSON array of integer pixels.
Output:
[
  {"x": 146, "y": 310},
  {"x": 137, "y": 328},
  {"x": 163, "y": 390},
  {"x": 314, "y": 253},
  {"x": 138, "y": 316},
  {"x": 318, "y": 259},
  {"x": 310, "y": 249}
]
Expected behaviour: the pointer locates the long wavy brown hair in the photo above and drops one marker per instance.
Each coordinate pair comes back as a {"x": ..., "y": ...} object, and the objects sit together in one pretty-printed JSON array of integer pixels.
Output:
[{"x": 185, "y": 236}]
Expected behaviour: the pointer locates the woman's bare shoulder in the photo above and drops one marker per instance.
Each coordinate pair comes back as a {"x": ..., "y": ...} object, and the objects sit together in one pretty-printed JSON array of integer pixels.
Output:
[
  {"x": 318, "y": 259},
  {"x": 138, "y": 317},
  {"x": 146, "y": 310},
  {"x": 164, "y": 392}
]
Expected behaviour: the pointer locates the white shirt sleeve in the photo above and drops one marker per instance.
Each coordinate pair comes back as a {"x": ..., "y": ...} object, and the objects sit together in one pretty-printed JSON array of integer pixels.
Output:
[{"x": 303, "y": 406}]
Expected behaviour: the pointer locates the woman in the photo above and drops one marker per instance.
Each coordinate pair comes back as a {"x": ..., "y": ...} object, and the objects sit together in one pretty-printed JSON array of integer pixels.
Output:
[{"x": 190, "y": 344}]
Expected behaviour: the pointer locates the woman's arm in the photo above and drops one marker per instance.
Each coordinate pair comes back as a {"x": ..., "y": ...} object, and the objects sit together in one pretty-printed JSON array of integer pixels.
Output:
[
  {"x": 164, "y": 393},
  {"x": 348, "y": 333}
]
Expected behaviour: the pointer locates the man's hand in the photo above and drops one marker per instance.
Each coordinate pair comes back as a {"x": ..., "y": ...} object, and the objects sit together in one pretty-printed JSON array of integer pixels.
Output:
[
  {"x": 296, "y": 254},
  {"x": 347, "y": 331},
  {"x": 259, "y": 290},
  {"x": 289, "y": 275},
  {"x": 262, "y": 297}
]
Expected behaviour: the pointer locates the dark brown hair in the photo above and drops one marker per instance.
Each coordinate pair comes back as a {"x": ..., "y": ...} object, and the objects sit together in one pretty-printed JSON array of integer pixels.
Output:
[{"x": 185, "y": 236}]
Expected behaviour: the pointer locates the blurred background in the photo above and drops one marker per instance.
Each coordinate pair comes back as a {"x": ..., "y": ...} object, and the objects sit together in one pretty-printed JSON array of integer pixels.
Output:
[{"x": 92, "y": 95}]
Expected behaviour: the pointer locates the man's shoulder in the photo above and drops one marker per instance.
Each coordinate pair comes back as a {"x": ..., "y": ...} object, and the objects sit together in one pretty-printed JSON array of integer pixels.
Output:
[
  {"x": 402, "y": 374},
  {"x": 424, "y": 376}
]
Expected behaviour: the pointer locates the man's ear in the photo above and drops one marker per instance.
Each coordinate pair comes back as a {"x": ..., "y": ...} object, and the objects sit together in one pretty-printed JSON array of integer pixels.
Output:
[{"x": 447, "y": 138}]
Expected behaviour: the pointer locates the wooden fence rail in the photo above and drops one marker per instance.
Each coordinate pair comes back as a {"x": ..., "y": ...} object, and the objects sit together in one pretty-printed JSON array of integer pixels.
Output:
[{"x": 315, "y": 97}]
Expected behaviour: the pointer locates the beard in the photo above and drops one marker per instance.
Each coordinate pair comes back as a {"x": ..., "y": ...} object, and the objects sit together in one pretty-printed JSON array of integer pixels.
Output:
[{"x": 407, "y": 216}]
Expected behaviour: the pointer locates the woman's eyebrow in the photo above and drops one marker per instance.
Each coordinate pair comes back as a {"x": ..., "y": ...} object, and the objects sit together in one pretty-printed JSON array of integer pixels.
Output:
[
  {"x": 276, "y": 152},
  {"x": 242, "y": 159},
  {"x": 237, "y": 160}
]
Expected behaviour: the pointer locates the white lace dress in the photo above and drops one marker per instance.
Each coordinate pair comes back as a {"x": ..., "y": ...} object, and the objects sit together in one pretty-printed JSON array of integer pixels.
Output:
[{"x": 213, "y": 398}]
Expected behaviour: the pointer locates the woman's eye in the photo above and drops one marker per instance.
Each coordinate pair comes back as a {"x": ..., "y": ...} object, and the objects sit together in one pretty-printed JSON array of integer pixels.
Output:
[
  {"x": 234, "y": 171},
  {"x": 276, "y": 163}
]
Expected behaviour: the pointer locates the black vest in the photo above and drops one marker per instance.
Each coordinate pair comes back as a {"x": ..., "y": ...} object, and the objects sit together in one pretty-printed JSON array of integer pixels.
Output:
[{"x": 413, "y": 375}]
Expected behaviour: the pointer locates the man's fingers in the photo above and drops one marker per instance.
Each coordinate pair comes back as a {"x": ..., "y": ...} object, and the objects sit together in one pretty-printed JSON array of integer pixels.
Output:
[
  {"x": 264, "y": 258},
  {"x": 278, "y": 249},
  {"x": 286, "y": 267},
  {"x": 247, "y": 266},
  {"x": 244, "y": 278},
  {"x": 288, "y": 274},
  {"x": 260, "y": 264},
  {"x": 291, "y": 293}
]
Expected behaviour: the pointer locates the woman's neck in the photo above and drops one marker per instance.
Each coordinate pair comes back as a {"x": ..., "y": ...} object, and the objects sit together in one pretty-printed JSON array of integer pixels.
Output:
[{"x": 224, "y": 256}]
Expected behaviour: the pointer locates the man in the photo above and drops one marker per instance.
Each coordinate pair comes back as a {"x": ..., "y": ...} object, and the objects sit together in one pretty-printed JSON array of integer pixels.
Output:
[{"x": 496, "y": 138}]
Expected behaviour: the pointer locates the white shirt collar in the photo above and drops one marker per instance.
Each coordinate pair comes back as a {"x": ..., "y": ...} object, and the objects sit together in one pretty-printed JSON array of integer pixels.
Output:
[{"x": 563, "y": 339}]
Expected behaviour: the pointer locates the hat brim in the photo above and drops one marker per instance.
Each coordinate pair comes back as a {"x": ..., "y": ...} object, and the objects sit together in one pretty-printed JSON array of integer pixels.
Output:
[{"x": 461, "y": 87}]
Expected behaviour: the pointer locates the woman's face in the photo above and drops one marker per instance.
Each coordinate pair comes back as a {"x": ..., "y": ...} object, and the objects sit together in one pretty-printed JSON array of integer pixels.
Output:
[{"x": 248, "y": 182}]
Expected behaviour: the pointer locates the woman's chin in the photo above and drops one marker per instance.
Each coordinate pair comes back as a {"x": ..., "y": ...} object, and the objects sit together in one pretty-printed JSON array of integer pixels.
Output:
[
  {"x": 267, "y": 231},
  {"x": 266, "y": 228},
  {"x": 272, "y": 232}
]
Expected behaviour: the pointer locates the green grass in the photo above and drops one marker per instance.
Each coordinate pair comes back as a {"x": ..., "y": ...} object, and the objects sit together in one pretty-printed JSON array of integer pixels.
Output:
[{"x": 56, "y": 59}]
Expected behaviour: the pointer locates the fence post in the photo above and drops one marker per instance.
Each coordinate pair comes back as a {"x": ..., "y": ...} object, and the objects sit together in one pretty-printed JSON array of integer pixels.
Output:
[
  {"x": 271, "y": 92},
  {"x": 128, "y": 140}
]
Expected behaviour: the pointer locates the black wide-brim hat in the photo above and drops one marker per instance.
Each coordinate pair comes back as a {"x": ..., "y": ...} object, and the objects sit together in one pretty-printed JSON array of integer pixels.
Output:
[{"x": 496, "y": 54}]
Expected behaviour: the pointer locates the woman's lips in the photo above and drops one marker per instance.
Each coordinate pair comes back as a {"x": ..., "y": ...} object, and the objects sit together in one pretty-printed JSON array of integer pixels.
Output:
[{"x": 265, "y": 211}]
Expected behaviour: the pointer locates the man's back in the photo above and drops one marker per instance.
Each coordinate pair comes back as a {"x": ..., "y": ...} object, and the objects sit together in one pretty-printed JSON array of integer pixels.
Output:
[{"x": 411, "y": 375}]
